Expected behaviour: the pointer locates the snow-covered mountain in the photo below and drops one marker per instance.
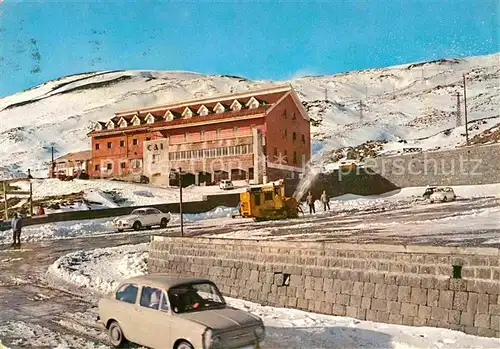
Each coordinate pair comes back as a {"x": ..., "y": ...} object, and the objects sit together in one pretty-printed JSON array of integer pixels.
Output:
[{"x": 412, "y": 102}]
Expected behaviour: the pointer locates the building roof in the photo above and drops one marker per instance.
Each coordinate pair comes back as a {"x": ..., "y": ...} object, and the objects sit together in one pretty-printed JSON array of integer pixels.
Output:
[
  {"x": 266, "y": 97},
  {"x": 163, "y": 281},
  {"x": 81, "y": 155},
  {"x": 269, "y": 94}
]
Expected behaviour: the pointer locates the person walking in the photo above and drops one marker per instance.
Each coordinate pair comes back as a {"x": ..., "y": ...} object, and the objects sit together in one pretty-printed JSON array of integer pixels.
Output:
[
  {"x": 17, "y": 225},
  {"x": 325, "y": 199},
  {"x": 310, "y": 202}
]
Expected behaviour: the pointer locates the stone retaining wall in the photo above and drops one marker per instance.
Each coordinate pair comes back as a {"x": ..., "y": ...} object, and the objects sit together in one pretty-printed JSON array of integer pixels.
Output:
[
  {"x": 410, "y": 285},
  {"x": 477, "y": 164}
]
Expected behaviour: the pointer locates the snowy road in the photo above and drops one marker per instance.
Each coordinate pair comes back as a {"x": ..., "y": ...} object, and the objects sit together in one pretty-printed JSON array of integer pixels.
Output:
[
  {"x": 466, "y": 222},
  {"x": 26, "y": 296}
]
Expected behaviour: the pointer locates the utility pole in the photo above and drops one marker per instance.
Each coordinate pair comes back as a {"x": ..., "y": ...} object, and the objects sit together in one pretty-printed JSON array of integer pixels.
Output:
[
  {"x": 180, "y": 201},
  {"x": 361, "y": 110},
  {"x": 459, "y": 114},
  {"x": 53, "y": 164},
  {"x": 31, "y": 199},
  {"x": 6, "y": 214},
  {"x": 465, "y": 108}
]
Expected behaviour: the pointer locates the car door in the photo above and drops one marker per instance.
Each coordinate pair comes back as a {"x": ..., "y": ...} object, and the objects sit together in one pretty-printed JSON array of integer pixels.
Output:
[
  {"x": 124, "y": 310},
  {"x": 155, "y": 318},
  {"x": 152, "y": 216}
]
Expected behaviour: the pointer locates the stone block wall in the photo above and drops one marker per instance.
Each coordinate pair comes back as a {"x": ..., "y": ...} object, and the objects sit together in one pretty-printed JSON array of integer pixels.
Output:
[
  {"x": 478, "y": 164},
  {"x": 410, "y": 285}
]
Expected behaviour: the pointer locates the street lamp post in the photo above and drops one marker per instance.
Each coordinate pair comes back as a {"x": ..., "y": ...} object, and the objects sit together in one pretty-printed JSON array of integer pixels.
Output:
[
  {"x": 465, "y": 113},
  {"x": 180, "y": 201}
]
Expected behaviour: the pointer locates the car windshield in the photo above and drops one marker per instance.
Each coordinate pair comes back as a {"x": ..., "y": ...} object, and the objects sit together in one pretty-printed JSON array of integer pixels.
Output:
[
  {"x": 138, "y": 212},
  {"x": 195, "y": 297}
]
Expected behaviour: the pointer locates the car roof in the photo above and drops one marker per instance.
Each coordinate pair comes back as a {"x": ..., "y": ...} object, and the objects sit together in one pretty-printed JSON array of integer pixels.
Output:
[{"x": 163, "y": 281}]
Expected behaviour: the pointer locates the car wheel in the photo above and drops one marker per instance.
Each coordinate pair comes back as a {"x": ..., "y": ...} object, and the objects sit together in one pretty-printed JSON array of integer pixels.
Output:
[
  {"x": 184, "y": 345},
  {"x": 120, "y": 230},
  {"x": 163, "y": 223},
  {"x": 445, "y": 199},
  {"x": 115, "y": 334},
  {"x": 137, "y": 225}
]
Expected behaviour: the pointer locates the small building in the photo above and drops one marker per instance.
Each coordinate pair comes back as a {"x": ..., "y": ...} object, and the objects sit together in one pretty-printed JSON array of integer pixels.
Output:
[
  {"x": 70, "y": 163},
  {"x": 260, "y": 135}
]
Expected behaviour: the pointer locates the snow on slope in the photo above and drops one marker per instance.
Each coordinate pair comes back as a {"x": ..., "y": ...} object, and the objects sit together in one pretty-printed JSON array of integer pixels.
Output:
[
  {"x": 286, "y": 328},
  {"x": 411, "y": 102}
]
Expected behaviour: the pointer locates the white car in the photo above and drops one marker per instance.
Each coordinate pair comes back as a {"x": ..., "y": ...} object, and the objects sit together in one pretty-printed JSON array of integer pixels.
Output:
[
  {"x": 142, "y": 218},
  {"x": 442, "y": 194},
  {"x": 226, "y": 184}
]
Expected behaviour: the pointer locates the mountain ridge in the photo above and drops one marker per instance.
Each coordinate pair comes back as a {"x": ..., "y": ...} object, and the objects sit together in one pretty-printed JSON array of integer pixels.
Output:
[{"x": 414, "y": 102}]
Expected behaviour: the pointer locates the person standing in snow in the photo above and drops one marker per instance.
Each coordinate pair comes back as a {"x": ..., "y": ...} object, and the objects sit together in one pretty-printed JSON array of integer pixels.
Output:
[
  {"x": 325, "y": 199},
  {"x": 17, "y": 225},
  {"x": 41, "y": 211},
  {"x": 310, "y": 202}
]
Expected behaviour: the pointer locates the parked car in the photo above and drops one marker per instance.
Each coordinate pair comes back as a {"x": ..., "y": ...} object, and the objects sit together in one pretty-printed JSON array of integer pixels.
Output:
[
  {"x": 442, "y": 194},
  {"x": 428, "y": 191},
  {"x": 161, "y": 312},
  {"x": 142, "y": 218},
  {"x": 226, "y": 184}
]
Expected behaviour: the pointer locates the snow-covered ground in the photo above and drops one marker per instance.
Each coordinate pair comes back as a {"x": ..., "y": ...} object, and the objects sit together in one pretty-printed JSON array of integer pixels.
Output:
[
  {"x": 397, "y": 214},
  {"x": 414, "y": 102},
  {"x": 287, "y": 328},
  {"x": 132, "y": 194},
  {"x": 102, "y": 226}
]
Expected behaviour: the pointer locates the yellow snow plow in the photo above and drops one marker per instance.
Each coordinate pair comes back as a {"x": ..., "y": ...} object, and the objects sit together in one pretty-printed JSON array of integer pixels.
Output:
[{"x": 268, "y": 202}]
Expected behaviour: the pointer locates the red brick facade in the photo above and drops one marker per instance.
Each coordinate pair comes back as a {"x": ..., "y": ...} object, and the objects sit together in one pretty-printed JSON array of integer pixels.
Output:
[{"x": 207, "y": 143}]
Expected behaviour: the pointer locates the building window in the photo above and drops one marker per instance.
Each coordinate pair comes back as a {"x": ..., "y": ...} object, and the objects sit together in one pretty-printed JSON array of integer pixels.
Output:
[
  {"x": 284, "y": 133},
  {"x": 218, "y": 132},
  {"x": 285, "y": 156},
  {"x": 136, "y": 163},
  {"x": 275, "y": 153},
  {"x": 122, "y": 165},
  {"x": 294, "y": 157},
  {"x": 122, "y": 143},
  {"x": 284, "y": 114},
  {"x": 97, "y": 146},
  {"x": 202, "y": 134},
  {"x": 303, "y": 139},
  {"x": 294, "y": 136},
  {"x": 135, "y": 141},
  {"x": 185, "y": 136},
  {"x": 235, "y": 130},
  {"x": 293, "y": 116},
  {"x": 97, "y": 167},
  {"x": 109, "y": 145},
  {"x": 148, "y": 139},
  {"x": 109, "y": 166}
]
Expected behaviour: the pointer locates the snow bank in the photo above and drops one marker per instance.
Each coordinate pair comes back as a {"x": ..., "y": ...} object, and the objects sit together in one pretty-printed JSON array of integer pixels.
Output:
[
  {"x": 133, "y": 194},
  {"x": 98, "y": 196},
  {"x": 287, "y": 328},
  {"x": 101, "y": 269},
  {"x": 60, "y": 230}
]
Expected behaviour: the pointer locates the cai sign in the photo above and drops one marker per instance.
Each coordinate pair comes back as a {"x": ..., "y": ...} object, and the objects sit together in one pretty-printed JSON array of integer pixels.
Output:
[{"x": 155, "y": 147}]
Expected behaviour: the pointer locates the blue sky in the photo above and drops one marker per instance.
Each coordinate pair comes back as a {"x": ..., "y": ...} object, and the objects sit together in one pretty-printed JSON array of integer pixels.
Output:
[{"x": 43, "y": 40}]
